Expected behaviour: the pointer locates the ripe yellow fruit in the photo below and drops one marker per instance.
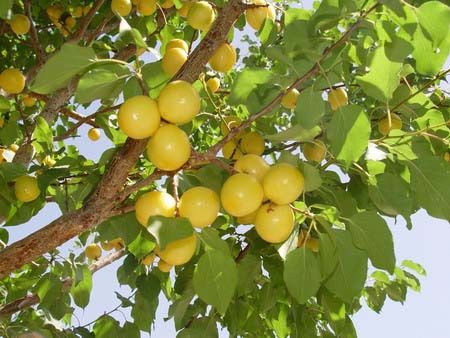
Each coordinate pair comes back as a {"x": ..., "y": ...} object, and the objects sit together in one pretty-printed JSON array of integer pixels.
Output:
[
  {"x": 139, "y": 117},
  {"x": 169, "y": 148},
  {"x": 86, "y": 9},
  {"x": 94, "y": 134},
  {"x": 29, "y": 101},
  {"x": 146, "y": 7},
  {"x": 200, "y": 205},
  {"x": 252, "y": 143},
  {"x": 77, "y": 12},
  {"x": 12, "y": 81},
  {"x": 20, "y": 24},
  {"x": 107, "y": 245},
  {"x": 173, "y": 60},
  {"x": 255, "y": 16},
  {"x": 177, "y": 43},
  {"x": 230, "y": 123},
  {"x": 167, "y": 4},
  {"x": 178, "y": 252},
  {"x": 337, "y": 98},
  {"x": 26, "y": 189},
  {"x": 164, "y": 266},
  {"x": 383, "y": 125},
  {"x": 54, "y": 12},
  {"x": 253, "y": 165},
  {"x": 13, "y": 147},
  {"x": 247, "y": 219},
  {"x": 70, "y": 23},
  {"x": 289, "y": 100},
  {"x": 223, "y": 58},
  {"x": 315, "y": 151},
  {"x": 48, "y": 161},
  {"x": 121, "y": 7},
  {"x": 283, "y": 183},
  {"x": 1, "y": 155},
  {"x": 117, "y": 243},
  {"x": 201, "y": 15},
  {"x": 274, "y": 223},
  {"x": 154, "y": 203},
  {"x": 447, "y": 156},
  {"x": 301, "y": 238},
  {"x": 93, "y": 251},
  {"x": 149, "y": 259},
  {"x": 179, "y": 102},
  {"x": 241, "y": 195},
  {"x": 184, "y": 10},
  {"x": 213, "y": 84},
  {"x": 231, "y": 150},
  {"x": 2, "y": 122}
]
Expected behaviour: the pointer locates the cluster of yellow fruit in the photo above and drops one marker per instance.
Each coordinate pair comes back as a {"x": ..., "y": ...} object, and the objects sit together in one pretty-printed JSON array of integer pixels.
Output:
[
  {"x": 12, "y": 81},
  {"x": 66, "y": 21},
  {"x": 255, "y": 17},
  {"x": 94, "y": 251}
]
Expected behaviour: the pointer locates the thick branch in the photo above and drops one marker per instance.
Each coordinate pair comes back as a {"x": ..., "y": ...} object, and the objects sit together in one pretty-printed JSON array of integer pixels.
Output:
[{"x": 79, "y": 34}]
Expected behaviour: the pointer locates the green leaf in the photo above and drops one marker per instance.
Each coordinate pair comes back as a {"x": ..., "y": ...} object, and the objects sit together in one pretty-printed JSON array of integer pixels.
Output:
[
  {"x": 10, "y": 171},
  {"x": 211, "y": 238},
  {"x": 167, "y": 229},
  {"x": 371, "y": 234},
  {"x": 430, "y": 180},
  {"x": 313, "y": 181},
  {"x": 146, "y": 301},
  {"x": 249, "y": 270},
  {"x": 106, "y": 327},
  {"x": 48, "y": 289},
  {"x": 434, "y": 17},
  {"x": 5, "y": 105},
  {"x": 383, "y": 77},
  {"x": 42, "y": 133},
  {"x": 302, "y": 274},
  {"x": 154, "y": 77},
  {"x": 414, "y": 266},
  {"x": 327, "y": 253},
  {"x": 246, "y": 82},
  {"x": 215, "y": 279},
  {"x": 350, "y": 273},
  {"x": 81, "y": 285},
  {"x": 200, "y": 327},
  {"x": 310, "y": 108},
  {"x": 5, "y": 8},
  {"x": 348, "y": 133},
  {"x": 295, "y": 133},
  {"x": 130, "y": 330},
  {"x": 56, "y": 73}
]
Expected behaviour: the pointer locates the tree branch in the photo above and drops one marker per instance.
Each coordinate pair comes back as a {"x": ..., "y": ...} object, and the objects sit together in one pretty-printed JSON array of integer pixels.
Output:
[
  {"x": 40, "y": 54},
  {"x": 79, "y": 34}
]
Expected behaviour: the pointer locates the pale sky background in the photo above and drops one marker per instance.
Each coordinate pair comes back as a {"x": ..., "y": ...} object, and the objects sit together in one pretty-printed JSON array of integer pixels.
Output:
[{"x": 424, "y": 314}]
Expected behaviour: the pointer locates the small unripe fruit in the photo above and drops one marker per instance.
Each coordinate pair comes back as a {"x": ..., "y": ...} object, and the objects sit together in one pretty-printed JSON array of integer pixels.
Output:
[
  {"x": 26, "y": 189},
  {"x": 447, "y": 156},
  {"x": 118, "y": 243},
  {"x": 173, "y": 60},
  {"x": 241, "y": 195},
  {"x": 12, "y": 81},
  {"x": 70, "y": 23},
  {"x": 255, "y": 16},
  {"x": 337, "y": 98},
  {"x": 164, "y": 266},
  {"x": 274, "y": 223},
  {"x": 107, "y": 245},
  {"x": 77, "y": 12},
  {"x": 139, "y": 117},
  {"x": 200, "y": 205},
  {"x": 283, "y": 183},
  {"x": 94, "y": 134},
  {"x": 154, "y": 203},
  {"x": 252, "y": 143},
  {"x": 253, "y": 165},
  {"x": 177, "y": 43},
  {"x": 93, "y": 251},
  {"x": 146, "y": 7},
  {"x": 28, "y": 101},
  {"x": 223, "y": 58},
  {"x": 201, "y": 15},
  {"x": 20, "y": 24},
  {"x": 179, "y": 102},
  {"x": 169, "y": 148},
  {"x": 315, "y": 151},
  {"x": 213, "y": 84},
  {"x": 231, "y": 150},
  {"x": 383, "y": 125},
  {"x": 121, "y": 7},
  {"x": 289, "y": 100},
  {"x": 149, "y": 259},
  {"x": 178, "y": 252}
]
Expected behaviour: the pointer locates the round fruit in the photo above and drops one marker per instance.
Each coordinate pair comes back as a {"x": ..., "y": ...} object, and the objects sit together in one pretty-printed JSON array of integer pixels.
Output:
[
  {"x": 200, "y": 205},
  {"x": 447, "y": 156},
  {"x": 93, "y": 251},
  {"x": 247, "y": 219},
  {"x": 167, "y": 4},
  {"x": 149, "y": 259},
  {"x": 289, "y": 100},
  {"x": 201, "y": 15},
  {"x": 253, "y": 165},
  {"x": 230, "y": 123},
  {"x": 26, "y": 189},
  {"x": 178, "y": 252},
  {"x": 77, "y": 12},
  {"x": 121, "y": 7},
  {"x": 54, "y": 13},
  {"x": 177, "y": 43},
  {"x": 154, "y": 203},
  {"x": 12, "y": 81},
  {"x": 173, "y": 60},
  {"x": 315, "y": 151},
  {"x": 107, "y": 246},
  {"x": 179, "y": 102},
  {"x": 337, "y": 98},
  {"x": 94, "y": 134},
  {"x": 163, "y": 266},
  {"x": 139, "y": 117},
  {"x": 252, "y": 143},
  {"x": 255, "y": 16},
  {"x": 241, "y": 195},
  {"x": 169, "y": 148},
  {"x": 274, "y": 223},
  {"x": 184, "y": 10},
  {"x": 70, "y": 23},
  {"x": 20, "y": 24},
  {"x": 283, "y": 183},
  {"x": 383, "y": 125},
  {"x": 231, "y": 151},
  {"x": 213, "y": 84},
  {"x": 29, "y": 101},
  {"x": 146, "y": 7},
  {"x": 223, "y": 58},
  {"x": 117, "y": 243},
  {"x": 14, "y": 147}
]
